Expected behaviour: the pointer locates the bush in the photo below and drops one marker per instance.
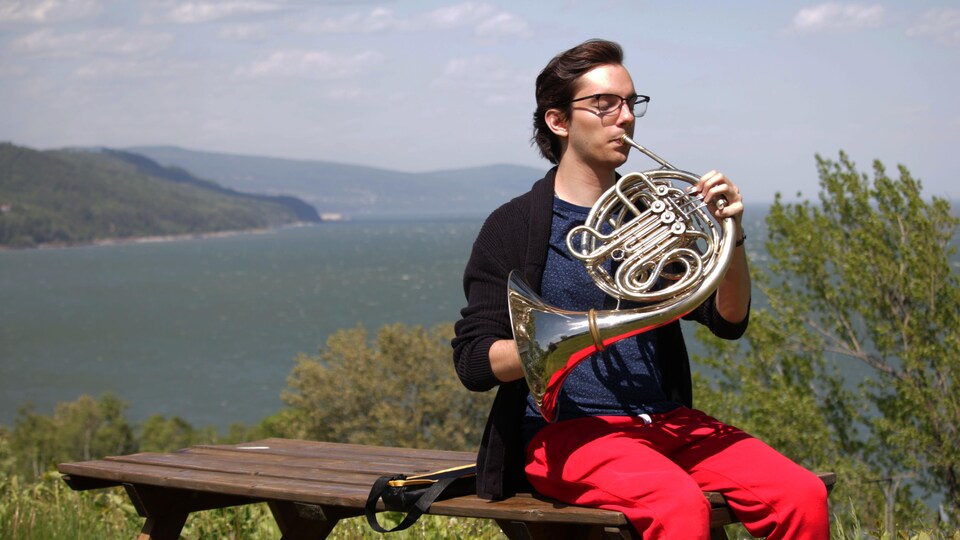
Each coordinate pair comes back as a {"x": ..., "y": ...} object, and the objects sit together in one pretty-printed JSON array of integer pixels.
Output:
[{"x": 399, "y": 391}]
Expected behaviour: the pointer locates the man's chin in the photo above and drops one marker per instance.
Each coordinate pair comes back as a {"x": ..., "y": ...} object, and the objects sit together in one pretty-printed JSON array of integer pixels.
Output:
[{"x": 621, "y": 158}]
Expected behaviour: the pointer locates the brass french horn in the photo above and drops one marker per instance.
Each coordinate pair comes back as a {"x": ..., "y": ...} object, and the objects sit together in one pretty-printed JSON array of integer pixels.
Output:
[{"x": 647, "y": 239}]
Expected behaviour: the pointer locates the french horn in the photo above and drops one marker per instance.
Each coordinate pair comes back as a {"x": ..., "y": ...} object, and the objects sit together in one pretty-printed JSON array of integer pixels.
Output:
[{"x": 646, "y": 240}]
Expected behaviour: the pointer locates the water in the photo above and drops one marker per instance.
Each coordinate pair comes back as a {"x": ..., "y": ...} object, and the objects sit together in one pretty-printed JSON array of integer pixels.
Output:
[{"x": 209, "y": 329}]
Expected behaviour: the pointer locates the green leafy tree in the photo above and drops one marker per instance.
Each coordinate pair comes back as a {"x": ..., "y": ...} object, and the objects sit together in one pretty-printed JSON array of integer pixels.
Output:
[
  {"x": 160, "y": 434},
  {"x": 7, "y": 458},
  {"x": 399, "y": 391},
  {"x": 861, "y": 283},
  {"x": 84, "y": 429}
]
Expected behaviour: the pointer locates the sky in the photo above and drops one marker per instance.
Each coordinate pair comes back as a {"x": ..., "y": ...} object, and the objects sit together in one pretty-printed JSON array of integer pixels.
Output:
[{"x": 754, "y": 88}]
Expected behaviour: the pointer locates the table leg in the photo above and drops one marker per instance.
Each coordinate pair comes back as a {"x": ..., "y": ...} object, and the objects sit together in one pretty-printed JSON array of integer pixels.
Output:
[
  {"x": 299, "y": 521},
  {"x": 166, "y": 509}
]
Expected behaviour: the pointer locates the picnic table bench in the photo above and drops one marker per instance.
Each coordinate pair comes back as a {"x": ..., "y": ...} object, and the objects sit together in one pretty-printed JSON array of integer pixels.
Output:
[{"x": 310, "y": 486}]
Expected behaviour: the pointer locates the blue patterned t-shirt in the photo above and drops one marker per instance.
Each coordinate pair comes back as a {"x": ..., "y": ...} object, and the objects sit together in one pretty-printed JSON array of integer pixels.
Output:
[{"x": 624, "y": 379}]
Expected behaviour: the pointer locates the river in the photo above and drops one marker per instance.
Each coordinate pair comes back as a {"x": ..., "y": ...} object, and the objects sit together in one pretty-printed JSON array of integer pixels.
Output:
[{"x": 208, "y": 329}]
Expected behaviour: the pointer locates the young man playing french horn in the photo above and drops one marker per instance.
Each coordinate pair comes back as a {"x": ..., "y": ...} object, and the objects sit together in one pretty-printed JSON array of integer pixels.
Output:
[{"x": 625, "y": 436}]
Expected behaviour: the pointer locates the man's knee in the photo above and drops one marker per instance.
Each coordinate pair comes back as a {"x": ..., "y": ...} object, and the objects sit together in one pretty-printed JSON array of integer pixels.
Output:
[
  {"x": 684, "y": 501},
  {"x": 802, "y": 501},
  {"x": 795, "y": 506},
  {"x": 677, "y": 511},
  {"x": 810, "y": 495}
]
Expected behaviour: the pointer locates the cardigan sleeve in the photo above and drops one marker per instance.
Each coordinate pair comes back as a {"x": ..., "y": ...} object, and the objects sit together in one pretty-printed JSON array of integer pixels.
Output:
[
  {"x": 708, "y": 315},
  {"x": 486, "y": 317}
]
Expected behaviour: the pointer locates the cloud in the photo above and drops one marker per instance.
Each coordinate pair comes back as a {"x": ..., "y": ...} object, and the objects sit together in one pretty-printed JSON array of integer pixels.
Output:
[
  {"x": 457, "y": 16},
  {"x": 322, "y": 65},
  {"x": 199, "y": 12},
  {"x": 832, "y": 16},
  {"x": 241, "y": 32},
  {"x": 503, "y": 24},
  {"x": 47, "y": 11},
  {"x": 379, "y": 19},
  {"x": 115, "y": 42},
  {"x": 941, "y": 24},
  {"x": 487, "y": 77},
  {"x": 485, "y": 20},
  {"x": 134, "y": 68}
]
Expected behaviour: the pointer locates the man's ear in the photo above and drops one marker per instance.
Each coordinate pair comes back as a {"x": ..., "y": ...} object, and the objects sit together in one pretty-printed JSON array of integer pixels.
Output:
[{"x": 557, "y": 122}]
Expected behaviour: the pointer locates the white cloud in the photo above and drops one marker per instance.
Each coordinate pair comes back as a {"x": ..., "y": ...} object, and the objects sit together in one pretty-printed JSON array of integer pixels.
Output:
[
  {"x": 198, "y": 12},
  {"x": 484, "y": 19},
  {"x": 379, "y": 19},
  {"x": 311, "y": 64},
  {"x": 941, "y": 24},
  {"x": 242, "y": 32},
  {"x": 115, "y": 42},
  {"x": 46, "y": 11},
  {"x": 135, "y": 68},
  {"x": 504, "y": 24},
  {"x": 832, "y": 16},
  {"x": 103, "y": 69},
  {"x": 465, "y": 14},
  {"x": 344, "y": 93},
  {"x": 488, "y": 77}
]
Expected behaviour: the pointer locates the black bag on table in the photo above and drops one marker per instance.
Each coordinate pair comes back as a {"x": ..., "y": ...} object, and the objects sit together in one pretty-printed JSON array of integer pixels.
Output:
[{"x": 414, "y": 494}]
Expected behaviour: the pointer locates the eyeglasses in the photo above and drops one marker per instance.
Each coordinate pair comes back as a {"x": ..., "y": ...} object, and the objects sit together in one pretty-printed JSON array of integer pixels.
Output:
[{"x": 611, "y": 103}]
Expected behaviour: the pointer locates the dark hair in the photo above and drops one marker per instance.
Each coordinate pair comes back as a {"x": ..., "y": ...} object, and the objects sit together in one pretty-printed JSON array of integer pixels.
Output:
[{"x": 557, "y": 83}]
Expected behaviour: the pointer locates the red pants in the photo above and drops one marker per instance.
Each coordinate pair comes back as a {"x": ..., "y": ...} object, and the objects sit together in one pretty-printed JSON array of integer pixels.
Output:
[{"x": 656, "y": 473}]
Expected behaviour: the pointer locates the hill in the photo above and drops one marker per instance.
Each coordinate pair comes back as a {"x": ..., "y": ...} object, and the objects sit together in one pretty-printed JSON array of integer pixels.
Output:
[
  {"x": 67, "y": 197},
  {"x": 355, "y": 190}
]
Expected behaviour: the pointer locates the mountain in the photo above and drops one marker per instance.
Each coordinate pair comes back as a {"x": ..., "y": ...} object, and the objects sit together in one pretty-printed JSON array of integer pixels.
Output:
[
  {"x": 68, "y": 197},
  {"x": 302, "y": 210},
  {"x": 355, "y": 190}
]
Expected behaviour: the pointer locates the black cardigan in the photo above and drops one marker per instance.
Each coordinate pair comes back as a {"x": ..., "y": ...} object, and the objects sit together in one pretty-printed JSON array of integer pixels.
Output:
[{"x": 516, "y": 237}]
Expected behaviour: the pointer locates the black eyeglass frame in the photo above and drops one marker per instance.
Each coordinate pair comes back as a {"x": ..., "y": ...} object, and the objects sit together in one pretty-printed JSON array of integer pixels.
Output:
[{"x": 639, "y": 99}]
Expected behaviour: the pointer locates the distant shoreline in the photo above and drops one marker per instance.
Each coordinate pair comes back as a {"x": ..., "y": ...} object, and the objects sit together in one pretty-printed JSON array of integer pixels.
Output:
[{"x": 157, "y": 239}]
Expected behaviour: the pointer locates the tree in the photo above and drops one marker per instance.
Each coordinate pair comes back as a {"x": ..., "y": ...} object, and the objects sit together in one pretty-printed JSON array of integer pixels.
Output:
[
  {"x": 402, "y": 391},
  {"x": 78, "y": 430},
  {"x": 160, "y": 434},
  {"x": 862, "y": 281}
]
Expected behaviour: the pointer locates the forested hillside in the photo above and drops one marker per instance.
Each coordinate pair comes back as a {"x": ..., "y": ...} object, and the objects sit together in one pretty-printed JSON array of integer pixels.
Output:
[
  {"x": 356, "y": 190},
  {"x": 65, "y": 197}
]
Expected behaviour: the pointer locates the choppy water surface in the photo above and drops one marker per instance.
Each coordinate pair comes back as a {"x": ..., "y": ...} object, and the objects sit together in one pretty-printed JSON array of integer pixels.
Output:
[{"x": 209, "y": 329}]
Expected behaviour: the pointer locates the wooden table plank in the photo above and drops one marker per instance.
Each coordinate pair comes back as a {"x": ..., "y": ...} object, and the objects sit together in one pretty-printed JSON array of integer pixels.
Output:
[
  {"x": 526, "y": 507},
  {"x": 356, "y": 470},
  {"x": 359, "y": 474},
  {"x": 387, "y": 464},
  {"x": 302, "y": 448},
  {"x": 258, "y": 487}
]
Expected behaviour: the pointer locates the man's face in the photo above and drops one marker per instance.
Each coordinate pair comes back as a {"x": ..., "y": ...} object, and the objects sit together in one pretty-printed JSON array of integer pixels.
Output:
[{"x": 594, "y": 137}]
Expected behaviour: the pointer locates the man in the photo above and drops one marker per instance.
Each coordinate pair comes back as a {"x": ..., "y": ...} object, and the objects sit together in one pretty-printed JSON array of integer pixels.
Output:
[{"x": 626, "y": 437}]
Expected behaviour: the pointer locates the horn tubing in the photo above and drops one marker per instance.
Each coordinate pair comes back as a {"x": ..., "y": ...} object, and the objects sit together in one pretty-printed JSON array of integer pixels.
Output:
[
  {"x": 721, "y": 202},
  {"x": 552, "y": 341},
  {"x": 627, "y": 140}
]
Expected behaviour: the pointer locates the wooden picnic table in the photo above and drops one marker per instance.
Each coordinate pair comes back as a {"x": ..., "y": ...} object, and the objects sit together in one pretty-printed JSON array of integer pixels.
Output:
[{"x": 310, "y": 486}]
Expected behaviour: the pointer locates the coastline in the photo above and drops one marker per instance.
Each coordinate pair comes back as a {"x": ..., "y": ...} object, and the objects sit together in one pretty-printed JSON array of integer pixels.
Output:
[{"x": 156, "y": 239}]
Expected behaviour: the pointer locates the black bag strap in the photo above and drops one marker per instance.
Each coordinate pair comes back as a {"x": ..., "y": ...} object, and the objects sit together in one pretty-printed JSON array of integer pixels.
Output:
[{"x": 422, "y": 505}]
